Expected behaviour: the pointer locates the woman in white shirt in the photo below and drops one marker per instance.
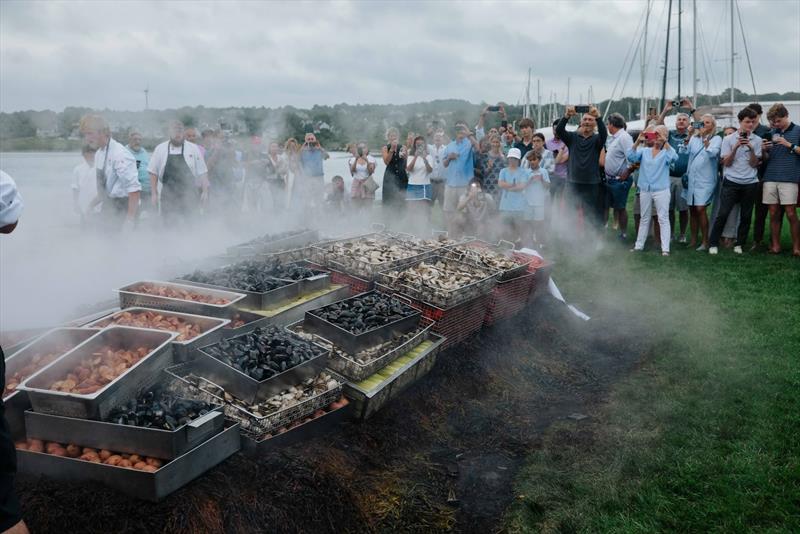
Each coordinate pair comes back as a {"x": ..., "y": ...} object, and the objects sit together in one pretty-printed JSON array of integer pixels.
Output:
[
  {"x": 362, "y": 167},
  {"x": 418, "y": 191}
]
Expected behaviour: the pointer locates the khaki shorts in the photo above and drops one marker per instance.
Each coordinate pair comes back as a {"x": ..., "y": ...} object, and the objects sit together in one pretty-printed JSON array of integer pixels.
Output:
[
  {"x": 451, "y": 196},
  {"x": 783, "y": 193},
  {"x": 676, "y": 200}
]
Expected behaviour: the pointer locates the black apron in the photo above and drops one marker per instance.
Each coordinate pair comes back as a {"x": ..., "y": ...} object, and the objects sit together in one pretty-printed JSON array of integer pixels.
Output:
[
  {"x": 177, "y": 186},
  {"x": 9, "y": 506}
]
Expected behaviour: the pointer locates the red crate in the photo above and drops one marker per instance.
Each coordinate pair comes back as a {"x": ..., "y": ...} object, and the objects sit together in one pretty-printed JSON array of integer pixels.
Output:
[
  {"x": 509, "y": 298},
  {"x": 357, "y": 285}
]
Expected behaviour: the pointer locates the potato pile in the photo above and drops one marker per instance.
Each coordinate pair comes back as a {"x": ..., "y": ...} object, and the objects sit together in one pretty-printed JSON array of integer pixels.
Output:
[
  {"x": 99, "y": 369},
  {"x": 157, "y": 320},
  {"x": 177, "y": 293},
  {"x": 87, "y": 454}
]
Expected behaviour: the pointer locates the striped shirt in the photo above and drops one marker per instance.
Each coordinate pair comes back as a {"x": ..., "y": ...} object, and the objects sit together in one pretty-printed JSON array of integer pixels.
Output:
[{"x": 782, "y": 165}]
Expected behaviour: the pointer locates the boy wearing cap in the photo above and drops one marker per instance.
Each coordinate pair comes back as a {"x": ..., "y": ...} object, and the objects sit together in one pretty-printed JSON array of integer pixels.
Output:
[{"x": 513, "y": 203}]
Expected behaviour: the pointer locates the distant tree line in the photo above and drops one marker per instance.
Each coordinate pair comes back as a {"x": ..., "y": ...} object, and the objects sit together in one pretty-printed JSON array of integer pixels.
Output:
[{"x": 335, "y": 126}]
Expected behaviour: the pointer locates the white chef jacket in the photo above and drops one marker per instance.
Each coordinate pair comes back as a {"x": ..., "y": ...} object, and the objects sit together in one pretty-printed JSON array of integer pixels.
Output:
[
  {"x": 120, "y": 170},
  {"x": 10, "y": 201},
  {"x": 191, "y": 154}
]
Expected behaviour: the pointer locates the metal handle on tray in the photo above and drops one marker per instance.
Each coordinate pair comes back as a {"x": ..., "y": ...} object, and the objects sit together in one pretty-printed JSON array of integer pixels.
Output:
[
  {"x": 378, "y": 227},
  {"x": 437, "y": 233},
  {"x": 503, "y": 242}
]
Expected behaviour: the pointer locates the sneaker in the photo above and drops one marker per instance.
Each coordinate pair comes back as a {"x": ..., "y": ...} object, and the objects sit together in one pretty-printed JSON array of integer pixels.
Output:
[
  {"x": 713, "y": 250},
  {"x": 737, "y": 249},
  {"x": 665, "y": 253},
  {"x": 682, "y": 239},
  {"x": 634, "y": 249},
  {"x": 701, "y": 248}
]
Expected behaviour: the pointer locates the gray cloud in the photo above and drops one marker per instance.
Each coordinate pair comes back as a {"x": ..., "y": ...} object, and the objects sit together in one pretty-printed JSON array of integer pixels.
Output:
[{"x": 103, "y": 54}]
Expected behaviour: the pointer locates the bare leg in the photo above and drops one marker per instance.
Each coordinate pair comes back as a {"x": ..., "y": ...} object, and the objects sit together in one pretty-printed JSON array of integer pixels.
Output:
[
  {"x": 703, "y": 217},
  {"x": 671, "y": 223},
  {"x": 683, "y": 218},
  {"x": 794, "y": 226},
  {"x": 775, "y": 217}
]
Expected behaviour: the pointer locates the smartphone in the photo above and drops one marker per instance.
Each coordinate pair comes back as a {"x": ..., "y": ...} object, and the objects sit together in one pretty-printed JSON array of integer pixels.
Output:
[
  {"x": 697, "y": 125},
  {"x": 650, "y": 135},
  {"x": 493, "y": 109},
  {"x": 582, "y": 109},
  {"x": 676, "y": 103},
  {"x": 744, "y": 135}
]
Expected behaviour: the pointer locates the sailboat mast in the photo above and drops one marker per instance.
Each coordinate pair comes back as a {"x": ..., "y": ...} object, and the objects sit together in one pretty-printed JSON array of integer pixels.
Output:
[
  {"x": 680, "y": 12},
  {"x": 666, "y": 57},
  {"x": 732, "y": 54},
  {"x": 643, "y": 60},
  {"x": 539, "y": 103},
  {"x": 527, "y": 111},
  {"x": 694, "y": 52}
]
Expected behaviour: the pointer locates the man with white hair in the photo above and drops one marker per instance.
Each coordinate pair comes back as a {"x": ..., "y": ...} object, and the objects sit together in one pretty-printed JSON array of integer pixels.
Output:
[
  {"x": 618, "y": 173},
  {"x": 118, "y": 184},
  {"x": 678, "y": 139},
  {"x": 180, "y": 167},
  {"x": 436, "y": 151}
]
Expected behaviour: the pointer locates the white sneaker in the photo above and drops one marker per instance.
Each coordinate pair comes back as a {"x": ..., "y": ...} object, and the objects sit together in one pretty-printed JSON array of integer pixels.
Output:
[
  {"x": 737, "y": 249},
  {"x": 701, "y": 248},
  {"x": 713, "y": 250},
  {"x": 682, "y": 239}
]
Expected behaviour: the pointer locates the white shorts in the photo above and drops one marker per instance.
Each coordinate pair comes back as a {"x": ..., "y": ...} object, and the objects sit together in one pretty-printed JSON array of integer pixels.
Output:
[{"x": 783, "y": 193}]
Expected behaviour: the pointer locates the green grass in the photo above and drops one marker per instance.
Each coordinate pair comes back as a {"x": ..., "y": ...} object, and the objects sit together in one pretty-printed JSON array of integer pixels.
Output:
[{"x": 705, "y": 434}]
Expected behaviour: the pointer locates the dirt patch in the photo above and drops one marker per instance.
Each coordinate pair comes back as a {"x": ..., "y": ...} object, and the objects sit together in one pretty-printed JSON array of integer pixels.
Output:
[{"x": 442, "y": 457}]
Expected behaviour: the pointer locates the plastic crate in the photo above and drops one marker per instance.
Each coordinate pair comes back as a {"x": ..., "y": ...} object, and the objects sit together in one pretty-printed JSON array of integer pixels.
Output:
[{"x": 509, "y": 298}]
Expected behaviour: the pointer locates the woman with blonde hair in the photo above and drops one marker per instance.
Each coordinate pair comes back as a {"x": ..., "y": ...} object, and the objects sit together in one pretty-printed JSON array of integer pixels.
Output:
[
  {"x": 703, "y": 148},
  {"x": 654, "y": 182},
  {"x": 291, "y": 153}
]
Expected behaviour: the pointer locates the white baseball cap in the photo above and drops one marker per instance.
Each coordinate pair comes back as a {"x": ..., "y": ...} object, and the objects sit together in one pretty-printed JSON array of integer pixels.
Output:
[{"x": 514, "y": 153}]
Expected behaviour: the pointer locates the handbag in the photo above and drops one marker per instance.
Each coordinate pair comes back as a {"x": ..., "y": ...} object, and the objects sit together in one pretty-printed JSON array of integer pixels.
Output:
[{"x": 370, "y": 185}]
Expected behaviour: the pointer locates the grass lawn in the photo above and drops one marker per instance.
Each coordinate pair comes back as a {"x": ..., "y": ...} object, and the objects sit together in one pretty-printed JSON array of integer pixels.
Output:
[{"x": 705, "y": 434}]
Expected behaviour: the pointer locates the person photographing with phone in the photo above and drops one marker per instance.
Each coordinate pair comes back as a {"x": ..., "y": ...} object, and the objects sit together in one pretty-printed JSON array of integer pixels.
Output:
[
  {"x": 704, "y": 148},
  {"x": 418, "y": 191},
  {"x": 740, "y": 153},
  {"x": 395, "y": 177},
  {"x": 475, "y": 211},
  {"x": 459, "y": 163},
  {"x": 584, "y": 147},
  {"x": 312, "y": 179},
  {"x": 654, "y": 164},
  {"x": 362, "y": 167}
]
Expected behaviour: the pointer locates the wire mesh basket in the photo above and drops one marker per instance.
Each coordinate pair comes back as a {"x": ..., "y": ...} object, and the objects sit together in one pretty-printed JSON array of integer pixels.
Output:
[
  {"x": 185, "y": 376},
  {"x": 350, "y": 366}
]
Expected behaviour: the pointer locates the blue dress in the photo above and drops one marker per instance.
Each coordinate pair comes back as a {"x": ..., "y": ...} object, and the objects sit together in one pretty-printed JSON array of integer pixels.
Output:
[{"x": 702, "y": 171}]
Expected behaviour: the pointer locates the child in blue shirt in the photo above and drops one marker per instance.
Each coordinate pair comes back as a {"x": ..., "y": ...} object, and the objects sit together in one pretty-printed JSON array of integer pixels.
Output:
[
  {"x": 535, "y": 195},
  {"x": 513, "y": 180}
]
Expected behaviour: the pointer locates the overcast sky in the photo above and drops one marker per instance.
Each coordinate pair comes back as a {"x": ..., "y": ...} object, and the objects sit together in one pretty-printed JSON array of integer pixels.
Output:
[{"x": 246, "y": 53}]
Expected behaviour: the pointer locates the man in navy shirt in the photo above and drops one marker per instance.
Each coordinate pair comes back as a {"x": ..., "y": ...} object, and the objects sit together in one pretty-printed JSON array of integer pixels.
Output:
[{"x": 782, "y": 175}]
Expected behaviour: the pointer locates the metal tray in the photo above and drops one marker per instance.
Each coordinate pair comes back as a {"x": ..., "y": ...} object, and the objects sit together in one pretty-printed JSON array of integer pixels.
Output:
[
  {"x": 465, "y": 251},
  {"x": 323, "y": 424},
  {"x": 138, "y": 484},
  {"x": 212, "y": 330},
  {"x": 441, "y": 298},
  {"x": 17, "y": 402},
  {"x": 295, "y": 310},
  {"x": 367, "y": 270},
  {"x": 254, "y": 299},
  {"x": 129, "y": 298},
  {"x": 143, "y": 374},
  {"x": 346, "y": 365},
  {"x": 289, "y": 242},
  {"x": 353, "y": 343},
  {"x": 369, "y": 396},
  {"x": 255, "y": 425},
  {"x": 249, "y": 390},
  {"x": 252, "y": 321},
  {"x": 163, "y": 444}
]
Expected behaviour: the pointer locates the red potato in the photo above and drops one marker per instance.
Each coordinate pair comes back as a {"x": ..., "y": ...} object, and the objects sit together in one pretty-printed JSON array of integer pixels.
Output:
[
  {"x": 140, "y": 465},
  {"x": 21, "y": 445},
  {"x": 105, "y": 454},
  {"x": 135, "y": 458},
  {"x": 124, "y": 463},
  {"x": 59, "y": 451},
  {"x": 150, "y": 468},
  {"x": 155, "y": 462},
  {"x": 73, "y": 451},
  {"x": 50, "y": 445},
  {"x": 114, "y": 459},
  {"x": 35, "y": 445},
  {"x": 90, "y": 457}
]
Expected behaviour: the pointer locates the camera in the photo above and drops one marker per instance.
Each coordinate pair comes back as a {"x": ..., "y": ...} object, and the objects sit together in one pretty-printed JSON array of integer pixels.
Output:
[
  {"x": 360, "y": 152},
  {"x": 582, "y": 109},
  {"x": 650, "y": 136},
  {"x": 676, "y": 103},
  {"x": 697, "y": 125}
]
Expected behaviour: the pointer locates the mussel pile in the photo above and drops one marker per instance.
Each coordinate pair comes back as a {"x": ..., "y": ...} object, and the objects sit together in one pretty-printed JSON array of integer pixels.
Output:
[
  {"x": 159, "y": 410},
  {"x": 252, "y": 275},
  {"x": 263, "y": 353},
  {"x": 37, "y": 361},
  {"x": 99, "y": 369},
  {"x": 158, "y": 320},
  {"x": 148, "y": 288},
  {"x": 364, "y": 312},
  {"x": 270, "y": 238}
]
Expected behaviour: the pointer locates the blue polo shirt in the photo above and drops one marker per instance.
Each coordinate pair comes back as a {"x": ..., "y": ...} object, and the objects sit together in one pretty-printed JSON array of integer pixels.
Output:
[
  {"x": 459, "y": 171},
  {"x": 311, "y": 160},
  {"x": 142, "y": 161},
  {"x": 782, "y": 164},
  {"x": 514, "y": 201},
  {"x": 678, "y": 142}
]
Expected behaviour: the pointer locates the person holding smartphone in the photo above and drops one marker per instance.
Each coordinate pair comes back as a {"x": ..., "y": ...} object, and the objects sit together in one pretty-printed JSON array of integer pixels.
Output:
[
  {"x": 362, "y": 166},
  {"x": 395, "y": 177},
  {"x": 312, "y": 186},
  {"x": 704, "y": 148},
  {"x": 653, "y": 183},
  {"x": 740, "y": 152},
  {"x": 418, "y": 191}
]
